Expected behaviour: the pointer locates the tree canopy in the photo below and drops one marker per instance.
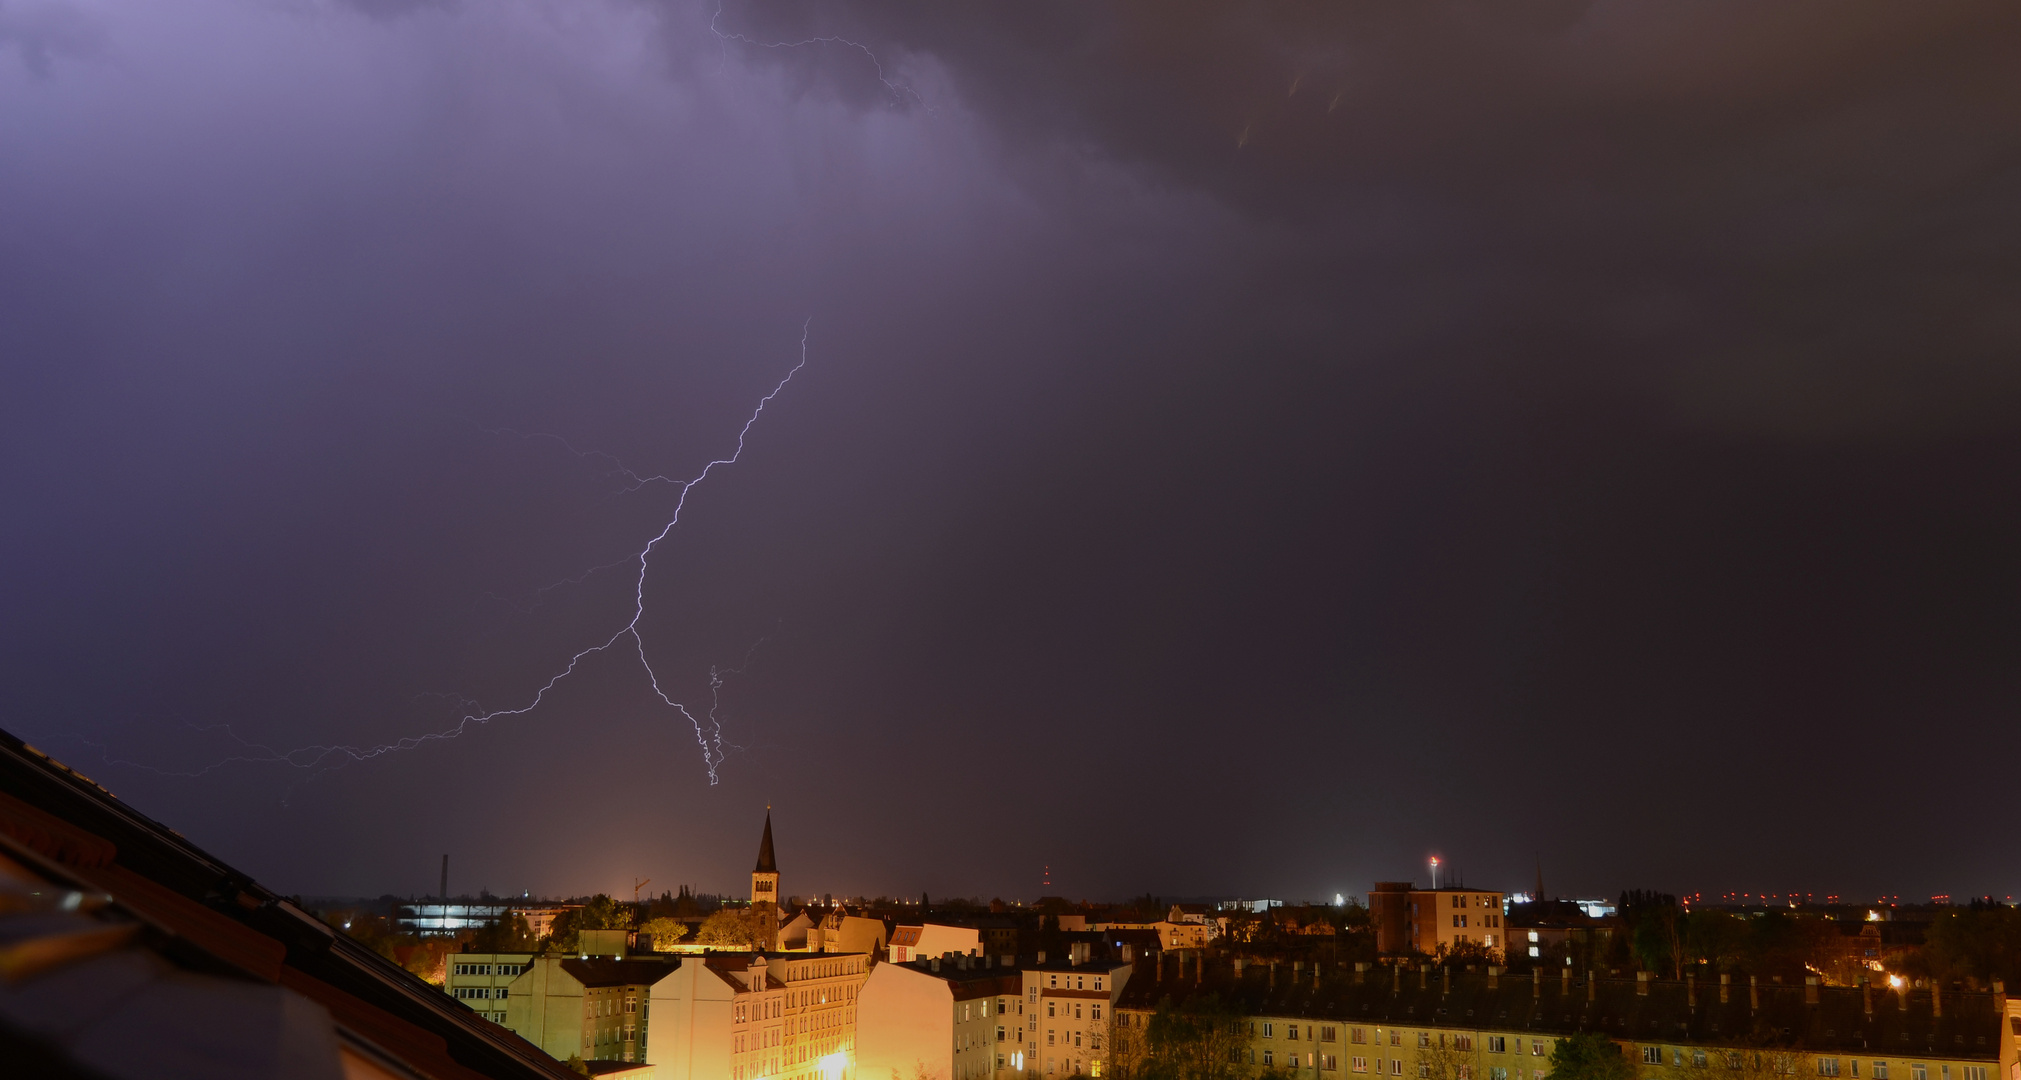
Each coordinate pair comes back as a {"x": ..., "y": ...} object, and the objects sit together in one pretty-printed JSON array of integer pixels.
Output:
[{"x": 1589, "y": 1055}]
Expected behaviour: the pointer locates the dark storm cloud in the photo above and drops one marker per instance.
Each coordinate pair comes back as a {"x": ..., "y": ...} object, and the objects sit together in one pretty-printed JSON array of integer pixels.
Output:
[
  {"x": 1255, "y": 445},
  {"x": 1787, "y": 216},
  {"x": 39, "y": 33}
]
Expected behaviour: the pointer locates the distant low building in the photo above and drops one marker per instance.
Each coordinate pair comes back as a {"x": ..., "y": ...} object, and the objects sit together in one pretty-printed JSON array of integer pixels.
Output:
[
  {"x": 540, "y": 917},
  {"x": 438, "y": 919},
  {"x": 1170, "y": 935},
  {"x": 1557, "y": 932}
]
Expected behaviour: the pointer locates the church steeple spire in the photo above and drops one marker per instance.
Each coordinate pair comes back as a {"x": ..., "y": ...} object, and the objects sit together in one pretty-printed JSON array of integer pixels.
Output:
[
  {"x": 766, "y": 863},
  {"x": 765, "y": 878}
]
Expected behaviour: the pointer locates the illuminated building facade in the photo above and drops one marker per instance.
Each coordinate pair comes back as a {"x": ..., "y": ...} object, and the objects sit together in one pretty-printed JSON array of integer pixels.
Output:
[
  {"x": 593, "y": 1008},
  {"x": 758, "y": 1016},
  {"x": 951, "y": 1016},
  {"x": 1435, "y": 921},
  {"x": 1410, "y": 1021},
  {"x": 1068, "y": 1009}
]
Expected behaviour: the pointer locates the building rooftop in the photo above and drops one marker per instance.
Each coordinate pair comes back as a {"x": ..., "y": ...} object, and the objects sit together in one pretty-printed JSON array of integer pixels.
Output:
[
  {"x": 128, "y": 949},
  {"x": 1670, "y": 1012}
]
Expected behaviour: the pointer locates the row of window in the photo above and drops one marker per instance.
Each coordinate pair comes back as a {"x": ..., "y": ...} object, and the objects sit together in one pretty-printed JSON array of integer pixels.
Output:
[
  {"x": 1826, "y": 1066},
  {"x": 479, "y": 993},
  {"x": 1066, "y": 1038},
  {"x": 490, "y": 969},
  {"x": 607, "y": 1003}
]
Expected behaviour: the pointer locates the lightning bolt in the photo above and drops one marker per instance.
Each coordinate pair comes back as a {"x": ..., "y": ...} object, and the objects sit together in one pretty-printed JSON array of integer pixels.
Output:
[
  {"x": 899, "y": 92},
  {"x": 710, "y": 740}
]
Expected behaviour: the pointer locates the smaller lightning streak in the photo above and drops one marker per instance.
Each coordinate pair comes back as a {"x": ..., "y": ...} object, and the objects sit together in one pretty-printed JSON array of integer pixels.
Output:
[
  {"x": 717, "y": 677},
  {"x": 898, "y": 92},
  {"x": 309, "y": 757}
]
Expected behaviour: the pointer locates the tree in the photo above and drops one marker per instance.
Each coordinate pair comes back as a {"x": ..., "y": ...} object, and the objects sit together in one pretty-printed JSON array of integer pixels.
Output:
[
  {"x": 1204, "y": 1039},
  {"x": 1452, "y": 1057},
  {"x": 1765, "y": 1057},
  {"x": 1651, "y": 920},
  {"x": 564, "y": 934},
  {"x": 1589, "y": 1055},
  {"x": 663, "y": 931},
  {"x": 507, "y": 935},
  {"x": 1980, "y": 943},
  {"x": 736, "y": 928}
]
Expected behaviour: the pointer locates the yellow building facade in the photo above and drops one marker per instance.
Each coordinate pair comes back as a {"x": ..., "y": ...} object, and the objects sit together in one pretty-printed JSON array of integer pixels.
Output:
[{"x": 1440, "y": 1025}]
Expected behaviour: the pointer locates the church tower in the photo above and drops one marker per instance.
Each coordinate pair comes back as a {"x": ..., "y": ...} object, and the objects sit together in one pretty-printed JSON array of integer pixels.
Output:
[
  {"x": 765, "y": 879},
  {"x": 765, "y": 889}
]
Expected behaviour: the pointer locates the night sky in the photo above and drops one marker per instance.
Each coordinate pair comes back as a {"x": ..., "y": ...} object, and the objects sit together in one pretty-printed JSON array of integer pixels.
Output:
[{"x": 1242, "y": 448}]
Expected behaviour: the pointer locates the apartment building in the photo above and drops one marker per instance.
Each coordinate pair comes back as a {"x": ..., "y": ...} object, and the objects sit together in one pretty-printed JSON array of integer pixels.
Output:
[
  {"x": 480, "y": 980},
  {"x": 1401, "y": 1023},
  {"x": 1435, "y": 921},
  {"x": 743, "y": 1016},
  {"x": 594, "y": 1008},
  {"x": 1068, "y": 1009},
  {"x": 953, "y": 1017}
]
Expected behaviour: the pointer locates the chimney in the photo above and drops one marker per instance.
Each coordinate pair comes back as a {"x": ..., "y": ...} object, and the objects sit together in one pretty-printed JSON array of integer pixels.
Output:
[
  {"x": 1810, "y": 989},
  {"x": 1867, "y": 997},
  {"x": 1161, "y": 962},
  {"x": 1238, "y": 969},
  {"x": 1494, "y": 977},
  {"x": 1641, "y": 984},
  {"x": 1691, "y": 991},
  {"x": 1360, "y": 970},
  {"x": 1395, "y": 979},
  {"x": 1565, "y": 982},
  {"x": 1936, "y": 998},
  {"x": 2000, "y": 997},
  {"x": 1445, "y": 980},
  {"x": 933, "y": 962},
  {"x": 1592, "y": 987},
  {"x": 1536, "y": 982},
  {"x": 1424, "y": 974},
  {"x": 1725, "y": 986},
  {"x": 1753, "y": 994}
]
